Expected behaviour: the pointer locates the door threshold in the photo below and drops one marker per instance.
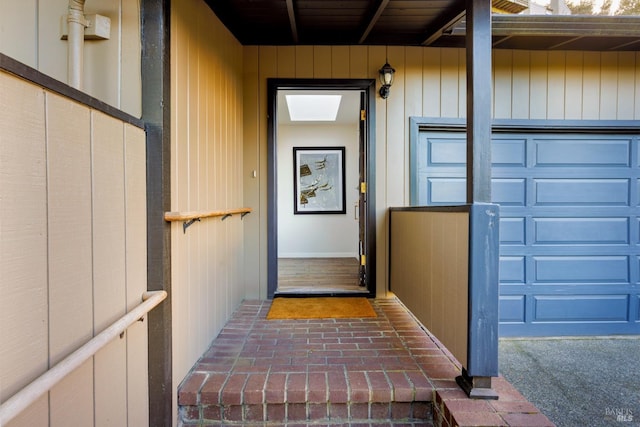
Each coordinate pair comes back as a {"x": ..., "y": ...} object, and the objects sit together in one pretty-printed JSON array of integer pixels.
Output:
[{"x": 323, "y": 294}]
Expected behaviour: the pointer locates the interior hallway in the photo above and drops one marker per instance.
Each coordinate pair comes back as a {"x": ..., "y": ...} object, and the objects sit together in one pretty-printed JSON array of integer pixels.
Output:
[{"x": 318, "y": 275}]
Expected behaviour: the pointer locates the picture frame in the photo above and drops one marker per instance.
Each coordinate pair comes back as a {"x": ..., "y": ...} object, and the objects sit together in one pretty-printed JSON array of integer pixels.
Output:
[{"x": 319, "y": 180}]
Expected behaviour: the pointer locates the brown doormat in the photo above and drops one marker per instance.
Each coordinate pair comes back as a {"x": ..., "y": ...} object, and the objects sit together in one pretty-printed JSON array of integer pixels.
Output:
[{"x": 320, "y": 308}]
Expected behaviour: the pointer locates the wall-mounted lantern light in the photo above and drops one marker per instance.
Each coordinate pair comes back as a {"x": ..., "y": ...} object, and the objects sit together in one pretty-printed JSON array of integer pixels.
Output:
[{"x": 386, "y": 79}]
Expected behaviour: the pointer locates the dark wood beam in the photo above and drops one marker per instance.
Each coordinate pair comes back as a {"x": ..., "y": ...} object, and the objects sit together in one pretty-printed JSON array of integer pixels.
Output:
[
  {"x": 292, "y": 21},
  {"x": 446, "y": 20},
  {"x": 373, "y": 19},
  {"x": 156, "y": 114},
  {"x": 479, "y": 101}
]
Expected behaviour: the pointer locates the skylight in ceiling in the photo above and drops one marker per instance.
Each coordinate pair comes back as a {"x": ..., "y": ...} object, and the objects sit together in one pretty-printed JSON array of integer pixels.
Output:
[{"x": 313, "y": 108}]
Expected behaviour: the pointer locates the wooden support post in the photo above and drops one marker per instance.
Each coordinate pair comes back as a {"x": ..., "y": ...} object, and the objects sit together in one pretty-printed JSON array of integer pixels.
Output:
[{"x": 482, "y": 348}]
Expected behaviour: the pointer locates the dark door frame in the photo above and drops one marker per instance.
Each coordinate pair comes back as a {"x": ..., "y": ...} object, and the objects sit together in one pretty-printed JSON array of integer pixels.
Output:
[{"x": 273, "y": 86}]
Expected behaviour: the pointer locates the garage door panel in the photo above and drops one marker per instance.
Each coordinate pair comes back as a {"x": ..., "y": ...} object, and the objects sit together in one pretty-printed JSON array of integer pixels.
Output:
[
  {"x": 581, "y": 269},
  {"x": 569, "y": 225},
  {"x": 512, "y": 309},
  {"x": 583, "y": 308},
  {"x": 446, "y": 191},
  {"x": 512, "y": 231},
  {"x": 509, "y": 191},
  {"x": 509, "y": 152},
  {"x": 591, "y": 192},
  {"x": 447, "y": 151},
  {"x": 512, "y": 269},
  {"x": 592, "y": 231},
  {"x": 582, "y": 152}
]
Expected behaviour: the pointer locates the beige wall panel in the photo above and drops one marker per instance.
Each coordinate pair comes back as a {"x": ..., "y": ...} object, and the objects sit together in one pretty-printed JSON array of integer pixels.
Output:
[
  {"x": 136, "y": 274},
  {"x": 520, "y": 85},
  {"x": 626, "y": 81},
  {"x": 72, "y": 398},
  {"x": 31, "y": 35},
  {"x": 413, "y": 83},
  {"x": 179, "y": 187},
  {"x": 573, "y": 86},
  {"x": 427, "y": 249},
  {"x": 322, "y": 62},
  {"x": 23, "y": 247},
  {"x": 591, "y": 86},
  {"x": 251, "y": 161},
  {"x": 69, "y": 212},
  {"x": 136, "y": 214},
  {"x": 377, "y": 56},
  {"x": 609, "y": 86},
  {"x": 51, "y": 51},
  {"x": 502, "y": 75},
  {"x": 206, "y": 174},
  {"x": 538, "y": 85},
  {"x": 556, "y": 85},
  {"x": 395, "y": 150},
  {"x": 431, "y": 75},
  {"x": 137, "y": 375},
  {"x": 304, "y": 62},
  {"x": 358, "y": 62},
  {"x": 340, "y": 62},
  {"x": 130, "y": 75},
  {"x": 102, "y": 65},
  {"x": 35, "y": 415},
  {"x": 109, "y": 296},
  {"x": 110, "y": 382},
  {"x": 19, "y": 30},
  {"x": 286, "y": 61},
  {"x": 462, "y": 83},
  {"x": 450, "y": 84}
]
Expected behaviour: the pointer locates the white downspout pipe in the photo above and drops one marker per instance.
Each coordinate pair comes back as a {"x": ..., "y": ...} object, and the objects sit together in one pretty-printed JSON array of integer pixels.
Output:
[{"x": 76, "y": 25}]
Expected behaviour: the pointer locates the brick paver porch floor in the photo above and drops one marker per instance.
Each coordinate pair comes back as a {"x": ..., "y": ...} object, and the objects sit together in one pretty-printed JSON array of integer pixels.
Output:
[{"x": 373, "y": 371}]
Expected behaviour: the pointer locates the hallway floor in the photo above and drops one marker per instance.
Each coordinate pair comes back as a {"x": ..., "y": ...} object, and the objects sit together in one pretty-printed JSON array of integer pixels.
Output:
[{"x": 375, "y": 371}]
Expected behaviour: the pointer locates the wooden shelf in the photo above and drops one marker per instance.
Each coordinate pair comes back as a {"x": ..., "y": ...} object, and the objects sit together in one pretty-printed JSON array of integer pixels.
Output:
[{"x": 190, "y": 217}]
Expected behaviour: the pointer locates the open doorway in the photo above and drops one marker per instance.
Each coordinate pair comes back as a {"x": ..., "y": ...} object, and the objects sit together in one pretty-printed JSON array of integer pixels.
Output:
[{"x": 320, "y": 234}]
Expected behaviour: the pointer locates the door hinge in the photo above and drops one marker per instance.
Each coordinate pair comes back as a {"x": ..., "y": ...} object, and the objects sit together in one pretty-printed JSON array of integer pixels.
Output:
[
  {"x": 363, "y": 115},
  {"x": 363, "y": 260},
  {"x": 363, "y": 187}
]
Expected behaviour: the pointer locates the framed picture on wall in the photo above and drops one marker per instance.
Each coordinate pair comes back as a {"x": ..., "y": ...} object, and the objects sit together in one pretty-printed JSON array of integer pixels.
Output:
[{"x": 319, "y": 180}]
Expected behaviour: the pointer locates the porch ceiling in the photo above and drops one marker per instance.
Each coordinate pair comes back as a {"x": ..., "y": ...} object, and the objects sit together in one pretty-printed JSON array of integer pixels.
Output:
[{"x": 414, "y": 23}]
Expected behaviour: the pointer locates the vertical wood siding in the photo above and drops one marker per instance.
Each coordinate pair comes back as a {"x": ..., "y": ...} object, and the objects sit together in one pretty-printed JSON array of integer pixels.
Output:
[
  {"x": 429, "y": 249},
  {"x": 430, "y": 82},
  {"x": 206, "y": 174},
  {"x": 31, "y": 35},
  {"x": 72, "y": 255}
]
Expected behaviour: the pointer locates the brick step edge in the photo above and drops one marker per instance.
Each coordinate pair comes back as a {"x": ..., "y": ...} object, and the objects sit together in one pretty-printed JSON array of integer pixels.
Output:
[{"x": 305, "y": 412}]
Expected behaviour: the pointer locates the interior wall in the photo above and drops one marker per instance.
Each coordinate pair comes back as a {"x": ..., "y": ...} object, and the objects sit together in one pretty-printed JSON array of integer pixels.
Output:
[
  {"x": 207, "y": 268},
  {"x": 317, "y": 235},
  {"x": 72, "y": 255},
  {"x": 429, "y": 82},
  {"x": 30, "y": 33}
]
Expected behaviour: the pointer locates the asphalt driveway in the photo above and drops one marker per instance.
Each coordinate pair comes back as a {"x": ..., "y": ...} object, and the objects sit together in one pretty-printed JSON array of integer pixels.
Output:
[{"x": 577, "y": 382}]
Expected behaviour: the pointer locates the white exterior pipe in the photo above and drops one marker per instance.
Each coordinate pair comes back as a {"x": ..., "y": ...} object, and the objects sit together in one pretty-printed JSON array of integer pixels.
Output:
[
  {"x": 76, "y": 25},
  {"x": 25, "y": 397}
]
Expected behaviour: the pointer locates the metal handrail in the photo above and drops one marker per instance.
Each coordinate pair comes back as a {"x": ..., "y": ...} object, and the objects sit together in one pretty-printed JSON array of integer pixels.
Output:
[{"x": 32, "y": 392}]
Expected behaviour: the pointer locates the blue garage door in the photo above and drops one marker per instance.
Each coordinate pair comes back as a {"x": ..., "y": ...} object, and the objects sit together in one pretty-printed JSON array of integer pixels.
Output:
[{"x": 569, "y": 228}]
